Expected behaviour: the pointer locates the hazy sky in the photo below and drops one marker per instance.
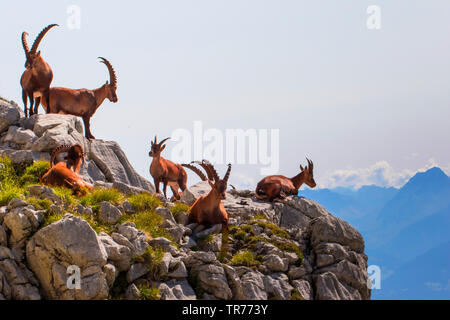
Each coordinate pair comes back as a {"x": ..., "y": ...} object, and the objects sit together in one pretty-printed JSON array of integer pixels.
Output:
[{"x": 368, "y": 106}]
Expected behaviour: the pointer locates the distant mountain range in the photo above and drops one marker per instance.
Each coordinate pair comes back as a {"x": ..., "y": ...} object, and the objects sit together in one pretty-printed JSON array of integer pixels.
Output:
[{"x": 407, "y": 232}]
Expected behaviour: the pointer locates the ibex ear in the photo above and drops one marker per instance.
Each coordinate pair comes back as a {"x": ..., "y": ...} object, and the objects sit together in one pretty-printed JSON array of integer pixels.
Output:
[
  {"x": 163, "y": 147},
  {"x": 301, "y": 168}
]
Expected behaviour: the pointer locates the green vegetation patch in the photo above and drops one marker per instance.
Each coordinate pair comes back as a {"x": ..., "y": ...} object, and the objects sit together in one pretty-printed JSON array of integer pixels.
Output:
[
  {"x": 244, "y": 258},
  {"x": 147, "y": 292},
  {"x": 179, "y": 207},
  {"x": 98, "y": 195},
  {"x": 144, "y": 202}
]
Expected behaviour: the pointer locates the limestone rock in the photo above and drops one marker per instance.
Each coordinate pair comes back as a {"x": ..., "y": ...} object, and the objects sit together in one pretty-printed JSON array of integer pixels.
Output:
[
  {"x": 69, "y": 241},
  {"x": 331, "y": 229},
  {"x": 278, "y": 286},
  {"x": 119, "y": 255},
  {"x": 177, "y": 290},
  {"x": 304, "y": 289},
  {"x": 9, "y": 115},
  {"x": 109, "y": 213},
  {"x": 275, "y": 263}
]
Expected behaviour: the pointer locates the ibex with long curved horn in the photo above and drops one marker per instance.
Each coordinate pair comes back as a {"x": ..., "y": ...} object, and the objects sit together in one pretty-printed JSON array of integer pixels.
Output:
[
  {"x": 83, "y": 102},
  {"x": 208, "y": 209},
  {"x": 74, "y": 159},
  {"x": 37, "y": 77},
  {"x": 278, "y": 187},
  {"x": 166, "y": 171}
]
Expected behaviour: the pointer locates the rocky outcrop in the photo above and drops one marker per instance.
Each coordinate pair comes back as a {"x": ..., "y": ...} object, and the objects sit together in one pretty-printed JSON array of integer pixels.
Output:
[
  {"x": 293, "y": 249},
  {"x": 34, "y": 138},
  {"x": 68, "y": 242}
]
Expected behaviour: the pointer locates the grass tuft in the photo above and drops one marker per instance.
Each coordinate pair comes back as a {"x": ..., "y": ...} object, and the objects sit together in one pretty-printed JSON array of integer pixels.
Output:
[
  {"x": 244, "y": 258},
  {"x": 98, "y": 195},
  {"x": 144, "y": 201}
]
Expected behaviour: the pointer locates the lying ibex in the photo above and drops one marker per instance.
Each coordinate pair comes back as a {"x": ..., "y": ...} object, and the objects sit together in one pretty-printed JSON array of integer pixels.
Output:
[
  {"x": 74, "y": 159},
  {"x": 36, "y": 79},
  {"x": 83, "y": 102},
  {"x": 61, "y": 175},
  {"x": 278, "y": 187},
  {"x": 208, "y": 209},
  {"x": 165, "y": 171}
]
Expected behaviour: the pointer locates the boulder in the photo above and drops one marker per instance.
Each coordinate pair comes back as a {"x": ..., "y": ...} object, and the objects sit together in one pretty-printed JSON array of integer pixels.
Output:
[
  {"x": 176, "y": 290},
  {"x": 212, "y": 279},
  {"x": 252, "y": 283},
  {"x": 16, "y": 281},
  {"x": 9, "y": 115},
  {"x": 328, "y": 287},
  {"x": 277, "y": 285},
  {"x": 112, "y": 161},
  {"x": 275, "y": 263},
  {"x": 19, "y": 136},
  {"x": 68, "y": 242},
  {"x": 331, "y": 229},
  {"x": 304, "y": 289},
  {"x": 118, "y": 255},
  {"x": 136, "y": 271},
  {"x": 109, "y": 213}
]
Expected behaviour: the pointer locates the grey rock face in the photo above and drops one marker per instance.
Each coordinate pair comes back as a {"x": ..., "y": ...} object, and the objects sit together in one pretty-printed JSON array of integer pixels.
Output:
[
  {"x": 213, "y": 280},
  {"x": 331, "y": 229},
  {"x": 34, "y": 138},
  {"x": 109, "y": 213},
  {"x": 328, "y": 287},
  {"x": 16, "y": 281},
  {"x": 177, "y": 290},
  {"x": 304, "y": 289},
  {"x": 70, "y": 241},
  {"x": 119, "y": 255},
  {"x": 9, "y": 115}
]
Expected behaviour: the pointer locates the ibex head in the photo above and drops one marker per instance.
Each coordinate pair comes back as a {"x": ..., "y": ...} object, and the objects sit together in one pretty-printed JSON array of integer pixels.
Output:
[
  {"x": 218, "y": 186},
  {"x": 33, "y": 56},
  {"x": 111, "y": 86},
  {"x": 157, "y": 148},
  {"x": 308, "y": 173}
]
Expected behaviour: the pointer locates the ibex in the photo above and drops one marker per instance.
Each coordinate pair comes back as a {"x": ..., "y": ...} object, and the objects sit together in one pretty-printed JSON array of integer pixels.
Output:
[
  {"x": 60, "y": 175},
  {"x": 74, "y": 159},
  {"x": 36, "y": 79},
  {"x": 208, "y": 209},
  {"x": 278, "y": 187},
  {"x": 83, "y": 102},
  {"x": 165, "y": 171}
]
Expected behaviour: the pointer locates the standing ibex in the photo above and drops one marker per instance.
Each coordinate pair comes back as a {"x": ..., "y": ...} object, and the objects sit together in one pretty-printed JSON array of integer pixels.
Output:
[
  {"x": 83, "y": 102},
  {"x": 36, "y": 79},
  {"x": 277, "y": 187},
  {"x": 165, "y": 171},
  {"x": 208, "y": 209}
]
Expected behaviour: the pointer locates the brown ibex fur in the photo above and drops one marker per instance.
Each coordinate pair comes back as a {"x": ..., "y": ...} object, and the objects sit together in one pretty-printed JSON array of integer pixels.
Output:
[
  {"x": 74, "y": 159},
  {"x": 61, "y": 175},
  {"x": 278, "y": 187},
  {"x": 37, "y": 77},
  {"x": 166, "y": 171},
  {"x": 83, "y": 102},
  {"x": 208, "y": 209}
]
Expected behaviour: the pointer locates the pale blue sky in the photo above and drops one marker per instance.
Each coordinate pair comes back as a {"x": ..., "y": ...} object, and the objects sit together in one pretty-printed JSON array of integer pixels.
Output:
[{"x": 346, "y": 96}]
